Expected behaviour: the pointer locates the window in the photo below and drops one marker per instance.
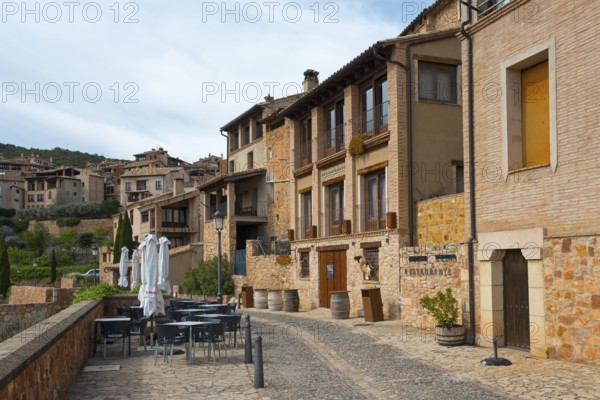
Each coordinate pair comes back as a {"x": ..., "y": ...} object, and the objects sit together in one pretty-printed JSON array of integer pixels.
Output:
[
  {"x": 372, "y": 259},
  {"x": 40, "y": 197},
  {"x": 246, "y": 135},
  {"x": 334, "y": 128},
  {"x": 259, "y": 131},
  {"x": 74, "y": 184},
  {"x": 250, "y": 159},
  {"x": 375, "y": 201},
  {"x": 174, "y": 217},
  {"x": 335, "y": 208},
  {"x": 30, "y": 198},
  {"x": 145, "y": 217},
  {"x": 304, "y": 265},
  {"x": 131, "y": 217},
  {"x": 305, "y": 153},
  {"x": 233, "y": 141},
  {"x": 158, "y": 185},
  {"x": 49, "y": 195},
  {"x": 529, "y": 135},
  {"x": 437, "y": 82},
  {"x": 305, "y": 215},
  {"x": 74, "y": 194},
  {"x": 232, "y": 166},
  {"x": 374, "y": 107},
  {"x": 128, "y": 187},
  {"x": 140, "y": 185}
]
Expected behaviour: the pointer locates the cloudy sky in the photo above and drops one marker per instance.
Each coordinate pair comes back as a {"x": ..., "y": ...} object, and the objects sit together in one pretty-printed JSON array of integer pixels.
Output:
[{"x": 118, "y": 78}]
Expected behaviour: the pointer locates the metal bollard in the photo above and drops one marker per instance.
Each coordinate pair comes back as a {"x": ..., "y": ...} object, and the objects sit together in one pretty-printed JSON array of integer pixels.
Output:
[
  {"x": 259, "y": 378},
  {"x": 248, "y": 341},
  {"x": 495, "y": 347}
]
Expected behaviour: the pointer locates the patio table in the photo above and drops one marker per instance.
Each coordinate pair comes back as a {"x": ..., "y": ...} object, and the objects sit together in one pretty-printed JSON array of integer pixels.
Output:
[
  {"x": 100, "y": 321},
  {"x": 190, "y": 325}
]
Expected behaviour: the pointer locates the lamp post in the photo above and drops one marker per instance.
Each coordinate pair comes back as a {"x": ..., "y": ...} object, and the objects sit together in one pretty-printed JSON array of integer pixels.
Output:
[
  {"x": 218, "y": 218},
  {"x": 95, "y": 254},
  {"x": 34, "y": 272}
]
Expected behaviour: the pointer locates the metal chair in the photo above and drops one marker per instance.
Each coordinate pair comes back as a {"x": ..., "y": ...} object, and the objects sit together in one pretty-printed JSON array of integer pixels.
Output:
[
  {"x": 138, "y": 328},
  {"x": 166, "y": 335},
  {"x": 211, "y": 334},
  {"x": 113, "y": 330},
  {"x": 233, "y": 324}
]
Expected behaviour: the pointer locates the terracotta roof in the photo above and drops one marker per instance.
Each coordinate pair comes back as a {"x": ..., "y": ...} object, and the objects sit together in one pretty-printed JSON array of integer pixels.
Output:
[{"x": 257, "y": 109}]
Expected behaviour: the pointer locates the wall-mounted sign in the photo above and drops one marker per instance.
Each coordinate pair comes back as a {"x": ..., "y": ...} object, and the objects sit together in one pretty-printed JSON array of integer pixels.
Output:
[{"x": 424, "y": 271}]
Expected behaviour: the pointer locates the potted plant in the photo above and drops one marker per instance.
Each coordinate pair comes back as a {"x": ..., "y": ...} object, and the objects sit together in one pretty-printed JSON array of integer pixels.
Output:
[{"x": 444, "y": 308}]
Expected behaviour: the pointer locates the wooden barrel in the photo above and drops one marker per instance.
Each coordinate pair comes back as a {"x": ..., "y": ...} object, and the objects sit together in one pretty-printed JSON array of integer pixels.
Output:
[
  {"x": 340, "y": 305},
  {"x": 291, "y": 301},
  {"x": 260, "y": 299},
  {"x": 275, "y": 300},
  {"x": 454, "y": 336}
]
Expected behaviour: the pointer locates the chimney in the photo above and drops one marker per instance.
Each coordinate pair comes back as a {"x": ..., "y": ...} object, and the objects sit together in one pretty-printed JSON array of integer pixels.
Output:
[
  {"x": 269, "y": 98},
  {"x": 311, "y": 80},
  {"x": 177, "y": 187}
]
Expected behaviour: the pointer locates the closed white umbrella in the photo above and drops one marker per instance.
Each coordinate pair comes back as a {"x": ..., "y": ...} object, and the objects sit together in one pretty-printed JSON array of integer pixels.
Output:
[
  {"x": 152, "y": 300},
  {"x": 135, "y": 269},
  {"x": 163, "y": 265},
  {"x": 123, "y": 267}
]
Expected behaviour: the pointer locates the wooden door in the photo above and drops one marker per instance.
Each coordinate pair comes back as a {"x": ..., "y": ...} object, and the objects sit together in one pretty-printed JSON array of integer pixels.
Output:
[
  {"x": 332, "y": 274},
  {"x": 516, "y": 299}
]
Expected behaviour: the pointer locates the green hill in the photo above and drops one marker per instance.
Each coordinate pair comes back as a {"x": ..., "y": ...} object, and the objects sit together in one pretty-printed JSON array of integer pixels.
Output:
[{"x": 59, "y": 156}]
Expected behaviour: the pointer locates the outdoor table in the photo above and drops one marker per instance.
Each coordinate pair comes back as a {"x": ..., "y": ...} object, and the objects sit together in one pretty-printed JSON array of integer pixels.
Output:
[
  {"x": 220, "y": 307},
  {"x": 191, "y": 325},
  {"x": 213, "y": 315},
  {"x": 100, "y": 321}
]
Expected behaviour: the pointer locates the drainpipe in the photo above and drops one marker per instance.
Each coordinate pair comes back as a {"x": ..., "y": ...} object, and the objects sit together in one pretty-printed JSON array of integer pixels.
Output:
[
  {"x": 473, "y": 227},
  {"x": 226, "y": 137},
  {"x": 409, "y": 128}
]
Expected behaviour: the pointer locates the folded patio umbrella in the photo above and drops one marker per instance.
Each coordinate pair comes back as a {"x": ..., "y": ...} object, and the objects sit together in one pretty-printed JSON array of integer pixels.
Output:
[
  {"x": 135, "y": 269},
  {"x": 123, "y": 267},
  {"x": 150, "y": 296},
  {"x": 163, "y": 265}
]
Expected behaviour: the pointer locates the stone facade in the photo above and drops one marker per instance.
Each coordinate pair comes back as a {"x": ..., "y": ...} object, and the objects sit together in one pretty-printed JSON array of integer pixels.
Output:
[
  {"x": 51, "y": 354},
  {"x": 441, "y": 220},
  {"x": 85, "y": 225},
  {"x": 278, "y": 172},
  {"x": 35, "y": 295},
  {"x": 25, "y": 311}
]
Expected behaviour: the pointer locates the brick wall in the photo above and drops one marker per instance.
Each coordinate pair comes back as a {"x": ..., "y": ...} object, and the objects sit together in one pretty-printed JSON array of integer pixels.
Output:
[{"x": 441, "y": 220}]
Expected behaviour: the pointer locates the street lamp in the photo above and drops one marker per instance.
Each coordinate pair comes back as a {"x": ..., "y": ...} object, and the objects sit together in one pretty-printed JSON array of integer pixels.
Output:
[
  {"x": 95, "y": 254},
  {"x": 34, "y": 272},
  {"x": 218, "y": 218}
]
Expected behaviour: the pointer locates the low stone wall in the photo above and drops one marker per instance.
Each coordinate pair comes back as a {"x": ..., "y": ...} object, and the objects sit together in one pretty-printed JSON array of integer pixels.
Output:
[
  {"x": 24, "y": 312},
  {"x": 441, "y": 220},
  {"x": 85, "y": 225},
  {"x": 34, "y": 295},
  {"x": 44, "y": 360}
]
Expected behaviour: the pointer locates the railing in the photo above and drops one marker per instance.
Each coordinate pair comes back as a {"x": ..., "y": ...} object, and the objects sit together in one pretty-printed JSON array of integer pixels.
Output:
[
  {"x": 304, "y": 226},
  {"x": 487, "y": 6},
  {"x": 258, "y": 209},
  {"x": 372, "y": 216},
  {"x": 331, "y": 141},
  {"x": 166, "y": 224},
  {"x": 371, "y": 122},
  {"x": 303, "y": 155},
  {"x": 332, "y": 223}
]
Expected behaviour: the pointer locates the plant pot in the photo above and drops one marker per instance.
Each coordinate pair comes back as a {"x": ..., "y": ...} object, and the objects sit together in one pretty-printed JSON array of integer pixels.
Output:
[{"x": 454, "y": 336}]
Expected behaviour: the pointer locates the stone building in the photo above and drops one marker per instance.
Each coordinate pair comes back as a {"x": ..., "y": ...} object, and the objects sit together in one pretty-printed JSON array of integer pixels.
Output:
[
  {"x": 12, "y": 190},
  {"x": 534, "y": 213},
  {"x": 142, "y": 182}
]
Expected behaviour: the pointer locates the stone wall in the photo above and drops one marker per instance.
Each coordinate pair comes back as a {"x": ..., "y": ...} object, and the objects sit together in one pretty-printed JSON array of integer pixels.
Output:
[
  {"x": 441, "y": 220},
  {"x": 279, "y": 170},
  {"x": 24, "y": 312},
  {"x": 32, "y": 294},
  {"x": 425, "y": 271},
  {"x": 85, "y": 225},
  {"x": 572, "y": 298},
  {"x": 44, "y": 360}
]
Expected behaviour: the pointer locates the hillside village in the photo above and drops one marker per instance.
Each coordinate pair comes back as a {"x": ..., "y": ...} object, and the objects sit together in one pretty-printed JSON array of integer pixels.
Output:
[{"x": 394, "y": 178}]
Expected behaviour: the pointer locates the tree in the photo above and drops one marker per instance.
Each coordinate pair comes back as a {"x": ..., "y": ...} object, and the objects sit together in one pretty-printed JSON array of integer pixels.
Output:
[
  {"x": 86, "y": 240},
  {"x": 127, "y": 234},
  {"x": 203, "y": 279},
  {"x": 117, "y": 245},
  {"x": 37, "y": 239},
  {"x": 53, "y": 267},
  {"x": 4, "y": 268}
]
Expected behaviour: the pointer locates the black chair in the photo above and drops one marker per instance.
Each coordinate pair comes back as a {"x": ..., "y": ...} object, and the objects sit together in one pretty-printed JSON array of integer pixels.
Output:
[
  {"x": 136, "y": 312},
  {"x": 211, "y": 334},
  {"x": 123, "y": 312},
  {"x": 175, "y": 315},
  {"x": 138, "y": 328},
  {"x": 233, "y": 324},
  {"x": 166, "y": 335},
  {"x": 114, "y": 330}
]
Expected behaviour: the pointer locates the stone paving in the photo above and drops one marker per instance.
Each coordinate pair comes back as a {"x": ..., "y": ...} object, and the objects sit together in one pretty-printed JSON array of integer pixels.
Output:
[{"x": 309, "y": 355}]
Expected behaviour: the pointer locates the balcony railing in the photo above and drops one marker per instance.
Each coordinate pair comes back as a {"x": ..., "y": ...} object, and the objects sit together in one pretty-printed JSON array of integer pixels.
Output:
[
  {"x": 304, "y": 225},
  {"x": 303, "y": 155},
  {"x": 258, "y": 209},
  {"x": 372, "y": 216},
  {"x": 371, "y": 122},
  {"x": 487, "y": 6},
  {"x": 167, "y": 224},
  {"x": 331, "y": 142}
]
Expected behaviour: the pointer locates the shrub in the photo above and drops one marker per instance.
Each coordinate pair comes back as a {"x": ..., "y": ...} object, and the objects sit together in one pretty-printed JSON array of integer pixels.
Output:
[
  {"x": 203, "y": 279},
  {"x": 68, "y": 221},
  {"x": 95, "y": 292},
  {"x": 443, "y": 307},
  {"x": 357, "y": 146}
]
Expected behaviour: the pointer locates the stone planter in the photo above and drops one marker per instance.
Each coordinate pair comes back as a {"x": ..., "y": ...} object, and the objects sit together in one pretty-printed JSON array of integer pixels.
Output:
[{"x": 454, "y": 336}]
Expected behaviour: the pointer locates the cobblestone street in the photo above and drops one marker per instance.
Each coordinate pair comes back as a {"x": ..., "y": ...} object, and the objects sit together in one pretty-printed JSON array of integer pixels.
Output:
[{"x": 308, "y": 355}]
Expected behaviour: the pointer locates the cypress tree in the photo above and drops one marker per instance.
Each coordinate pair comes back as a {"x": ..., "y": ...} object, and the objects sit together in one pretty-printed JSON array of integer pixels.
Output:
[
  {"x": 53, "y": 267},
  {"x": 127, "y": 234},
  {"x": 4, "y": 268},
  {"x": 117, "y": 245}
]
